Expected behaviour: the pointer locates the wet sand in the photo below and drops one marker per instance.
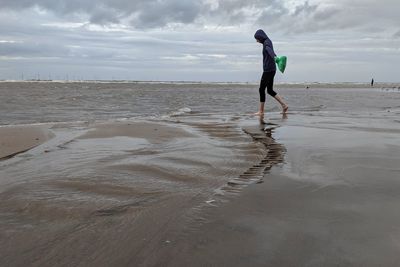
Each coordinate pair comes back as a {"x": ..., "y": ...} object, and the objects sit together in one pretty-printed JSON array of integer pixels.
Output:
[
  {"x": 18, "y": 139},
  {"x": 115, "y": 193},
  {"x": 314, "y": 188},
  {"x": 296, "y": 191},
  {"x": 154, "y": 133},
  {"x": 334, "y": 202}
]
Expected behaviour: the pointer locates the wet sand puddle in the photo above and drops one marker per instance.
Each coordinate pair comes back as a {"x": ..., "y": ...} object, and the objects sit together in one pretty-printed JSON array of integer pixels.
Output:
[{"x": 126, "y": 184}]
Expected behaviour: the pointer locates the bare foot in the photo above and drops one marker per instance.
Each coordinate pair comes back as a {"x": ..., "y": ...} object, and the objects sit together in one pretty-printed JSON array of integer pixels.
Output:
[
  {"x": 259, "y": 114},
  {"x": 285, "y": 109}
]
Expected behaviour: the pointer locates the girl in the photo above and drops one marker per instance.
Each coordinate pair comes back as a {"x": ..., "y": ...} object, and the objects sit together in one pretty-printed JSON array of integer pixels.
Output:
[{"x": 267, "y": 79}]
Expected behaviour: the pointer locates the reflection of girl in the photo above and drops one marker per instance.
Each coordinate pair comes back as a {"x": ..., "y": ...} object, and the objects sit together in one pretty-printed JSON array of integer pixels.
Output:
[{"x": 267, "y": 79}]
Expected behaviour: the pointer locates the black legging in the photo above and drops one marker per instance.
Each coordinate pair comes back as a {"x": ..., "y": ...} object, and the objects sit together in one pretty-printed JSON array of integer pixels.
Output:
[{"x": 267, "y": 81}]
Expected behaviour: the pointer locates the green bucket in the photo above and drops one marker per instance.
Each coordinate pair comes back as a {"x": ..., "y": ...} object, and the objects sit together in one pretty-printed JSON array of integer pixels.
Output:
[{"x": 281, "y": 62}]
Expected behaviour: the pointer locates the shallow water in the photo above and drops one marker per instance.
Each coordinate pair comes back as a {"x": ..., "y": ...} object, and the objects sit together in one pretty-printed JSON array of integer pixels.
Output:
[
  {"x": 224, "y": 142},
  {"x": 25, "y": 103}
]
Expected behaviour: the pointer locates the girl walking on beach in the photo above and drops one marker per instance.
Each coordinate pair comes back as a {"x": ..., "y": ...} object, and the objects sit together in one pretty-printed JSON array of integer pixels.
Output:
[{"x": 267, "y": 79}]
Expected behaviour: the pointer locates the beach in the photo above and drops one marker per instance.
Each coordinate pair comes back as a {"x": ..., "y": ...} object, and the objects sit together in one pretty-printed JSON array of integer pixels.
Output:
[
  {"x": 333, "y": 202},
  {"x": 91, "y": 177},
  {"x": 15, "y": 140}
]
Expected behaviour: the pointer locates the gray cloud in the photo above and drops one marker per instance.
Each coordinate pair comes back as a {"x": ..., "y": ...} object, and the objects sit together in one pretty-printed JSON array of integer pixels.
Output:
[
  {"x": 154, "y": 13},
  {"x": 306, "y": 16},
  {"x": 142, "y": 39},
  {"x": 25, "y": 49},
  {"x": 141, "y": 13},
  {"x": 161, "y": 13}
]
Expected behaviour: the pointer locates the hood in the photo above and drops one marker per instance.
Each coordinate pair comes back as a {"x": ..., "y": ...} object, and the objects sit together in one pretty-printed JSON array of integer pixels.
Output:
[{"x": 261, "y": 36}]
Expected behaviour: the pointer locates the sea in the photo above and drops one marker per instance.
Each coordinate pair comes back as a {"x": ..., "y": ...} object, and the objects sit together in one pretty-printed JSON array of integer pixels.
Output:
[{"x": 49, "y": 102}]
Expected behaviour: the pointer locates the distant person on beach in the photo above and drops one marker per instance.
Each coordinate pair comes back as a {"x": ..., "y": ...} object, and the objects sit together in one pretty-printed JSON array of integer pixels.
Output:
[
  {"x": 372, "y": 82},
  {"x": 267, "y": 79}
]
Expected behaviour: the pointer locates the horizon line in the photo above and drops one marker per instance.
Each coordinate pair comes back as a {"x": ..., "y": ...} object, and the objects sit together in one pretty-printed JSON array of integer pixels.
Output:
[{"x": 189, "y": 81}]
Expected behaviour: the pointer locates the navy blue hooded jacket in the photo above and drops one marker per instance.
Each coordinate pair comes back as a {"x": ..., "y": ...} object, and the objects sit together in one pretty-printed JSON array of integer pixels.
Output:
[{"x": 268, "y": 51}]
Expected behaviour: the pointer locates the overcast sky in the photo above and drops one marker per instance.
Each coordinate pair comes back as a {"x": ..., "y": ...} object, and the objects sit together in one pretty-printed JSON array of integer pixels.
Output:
[{"x": 203, "y": 40}]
